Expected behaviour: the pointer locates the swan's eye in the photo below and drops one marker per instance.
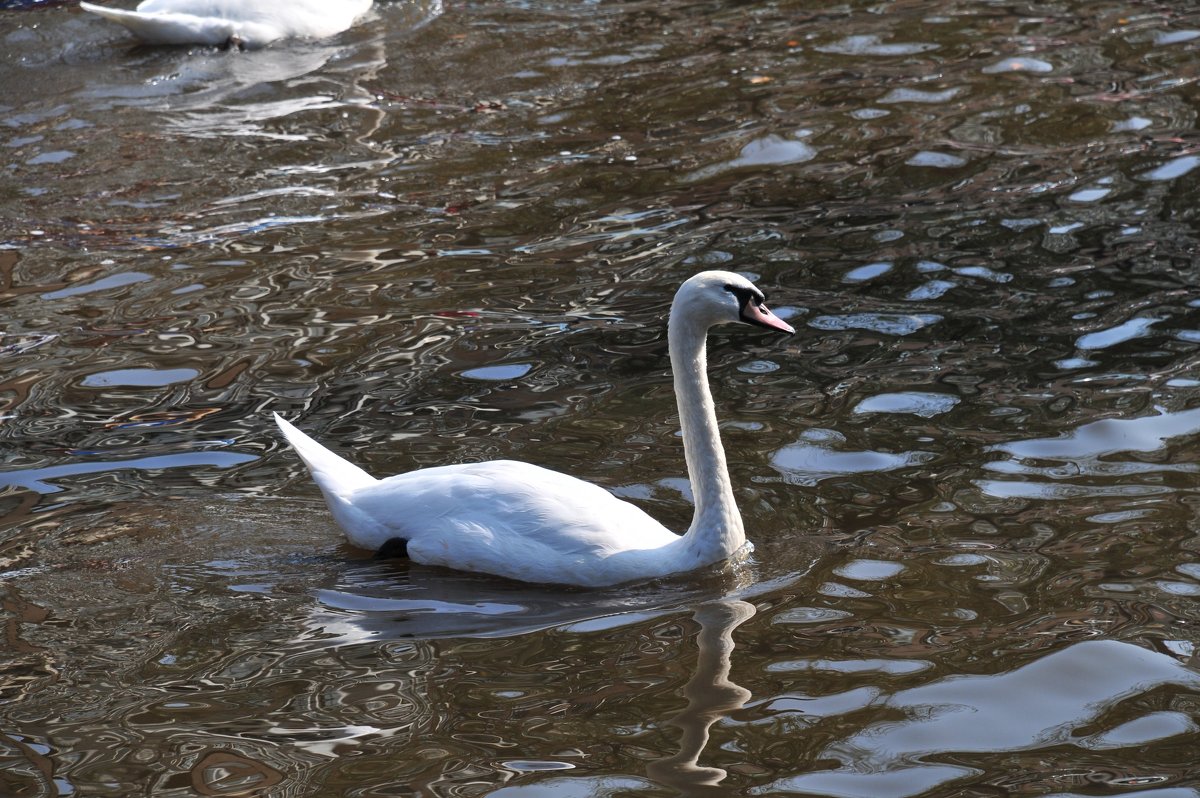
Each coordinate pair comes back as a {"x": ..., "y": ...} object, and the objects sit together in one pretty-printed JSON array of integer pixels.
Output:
[{"x": 747, "y": 296}]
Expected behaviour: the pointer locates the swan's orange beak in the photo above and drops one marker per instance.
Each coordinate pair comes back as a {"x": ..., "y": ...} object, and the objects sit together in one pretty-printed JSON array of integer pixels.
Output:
[{"x": 760, "y": 316}]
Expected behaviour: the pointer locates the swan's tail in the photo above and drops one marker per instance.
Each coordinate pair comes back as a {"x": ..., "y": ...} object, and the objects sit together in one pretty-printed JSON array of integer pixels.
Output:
[
  {"x": 167, "y": 27},
  {"x": 111, "y": 14},
  {"x": 335, "y": 476}
]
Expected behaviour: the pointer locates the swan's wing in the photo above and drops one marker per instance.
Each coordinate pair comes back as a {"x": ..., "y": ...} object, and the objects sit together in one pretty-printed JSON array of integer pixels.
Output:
[
  {"x": 168, "y": 27},
  {"x": 503, "y": 517}
]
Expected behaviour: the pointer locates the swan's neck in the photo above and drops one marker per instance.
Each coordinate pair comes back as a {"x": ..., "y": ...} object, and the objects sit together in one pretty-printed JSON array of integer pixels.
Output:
[{"x": 716, "y": 531}]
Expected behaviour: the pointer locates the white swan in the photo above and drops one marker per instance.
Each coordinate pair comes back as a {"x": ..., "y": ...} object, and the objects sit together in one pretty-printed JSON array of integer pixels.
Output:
[
  {"x": 246, "y": 23},
  {"x": 529, "y": 523}
]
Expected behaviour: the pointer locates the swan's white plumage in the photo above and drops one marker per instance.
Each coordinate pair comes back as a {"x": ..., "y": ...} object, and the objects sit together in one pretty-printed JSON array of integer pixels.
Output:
[
  {"x": 533, "y": 524},
  {"x": 502, "y": 517},
  {"x": 217, "y": 22}
]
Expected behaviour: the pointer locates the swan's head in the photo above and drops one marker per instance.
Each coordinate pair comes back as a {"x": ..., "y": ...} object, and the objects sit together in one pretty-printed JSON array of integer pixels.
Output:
[{"x": 719, "y": 297}]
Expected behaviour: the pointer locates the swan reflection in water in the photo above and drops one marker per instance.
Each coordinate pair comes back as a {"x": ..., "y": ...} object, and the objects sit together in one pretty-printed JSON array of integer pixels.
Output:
[
  {"x": 711, "y": 696},
  {"x": 371, "y": 608}
]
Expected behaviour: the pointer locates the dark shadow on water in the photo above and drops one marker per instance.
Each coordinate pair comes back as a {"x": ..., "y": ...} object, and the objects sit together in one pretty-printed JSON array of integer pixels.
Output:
[{"x": 374, "y": 601}]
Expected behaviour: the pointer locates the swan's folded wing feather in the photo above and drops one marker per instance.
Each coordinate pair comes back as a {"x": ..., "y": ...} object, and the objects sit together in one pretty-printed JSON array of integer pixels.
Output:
[
  {"x": 508, "y": 518},
  {"x": 263, "y": 21}
]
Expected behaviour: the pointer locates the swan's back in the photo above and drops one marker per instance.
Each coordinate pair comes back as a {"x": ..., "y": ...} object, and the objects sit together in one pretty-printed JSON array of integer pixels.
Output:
[{"x": 501, "y": 517}]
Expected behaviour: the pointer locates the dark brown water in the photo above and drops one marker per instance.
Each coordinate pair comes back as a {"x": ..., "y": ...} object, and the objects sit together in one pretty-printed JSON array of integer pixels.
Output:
[{"x": 452, "y": 234}]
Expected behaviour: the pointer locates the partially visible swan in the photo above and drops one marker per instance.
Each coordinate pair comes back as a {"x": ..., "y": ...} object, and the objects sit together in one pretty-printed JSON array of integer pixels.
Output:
[
  {"x": 246, "y": 23},
  {"x": 532, "y": 524}
]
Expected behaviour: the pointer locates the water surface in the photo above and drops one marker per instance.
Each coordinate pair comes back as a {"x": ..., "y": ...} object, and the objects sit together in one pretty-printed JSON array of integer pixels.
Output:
[{"x": 452, "y": 234}]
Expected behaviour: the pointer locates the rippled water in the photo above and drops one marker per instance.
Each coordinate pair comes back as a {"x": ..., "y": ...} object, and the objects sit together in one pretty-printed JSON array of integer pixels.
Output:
[{"x": 451, "y": 234}]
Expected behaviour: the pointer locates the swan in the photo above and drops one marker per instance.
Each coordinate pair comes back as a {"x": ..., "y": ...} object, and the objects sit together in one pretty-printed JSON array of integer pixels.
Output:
[
  {"x": 532, "y": 524},
  {"x": 244, "y": 23}
]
